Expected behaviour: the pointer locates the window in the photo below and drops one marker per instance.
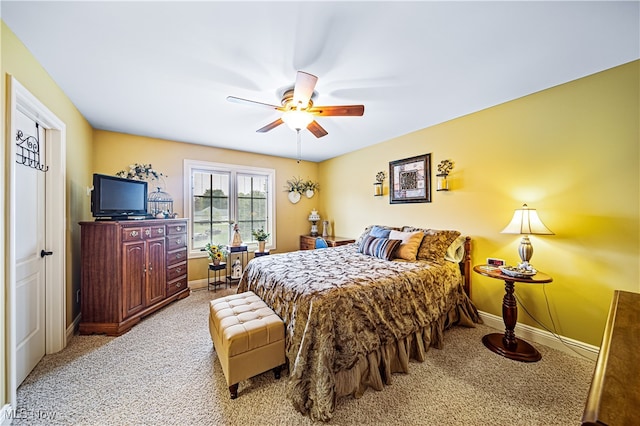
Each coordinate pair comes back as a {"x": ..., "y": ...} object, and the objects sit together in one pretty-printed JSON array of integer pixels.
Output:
[{"x": 222, "y": 194}]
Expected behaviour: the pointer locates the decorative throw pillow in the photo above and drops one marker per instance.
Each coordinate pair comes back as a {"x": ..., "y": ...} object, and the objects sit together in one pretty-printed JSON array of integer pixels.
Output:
[
  {"x": 382, "y": 248},
  {"x": 379, "y": 232},
  {"x": 434, "y": 243},
  {"x": 410, "y": 243},
  {"x": 367, "y": 230}
]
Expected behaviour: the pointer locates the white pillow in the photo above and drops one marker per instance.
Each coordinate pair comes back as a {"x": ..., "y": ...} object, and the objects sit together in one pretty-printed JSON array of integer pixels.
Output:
[{"x": 455, "y": 252}]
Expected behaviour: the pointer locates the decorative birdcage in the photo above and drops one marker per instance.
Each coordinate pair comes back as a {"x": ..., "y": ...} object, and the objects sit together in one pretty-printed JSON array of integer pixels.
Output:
[{"x": 160, "y": 202}]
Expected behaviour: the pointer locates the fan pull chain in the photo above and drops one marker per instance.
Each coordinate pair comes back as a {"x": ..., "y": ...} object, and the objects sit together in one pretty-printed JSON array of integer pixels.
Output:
[{"x": 299, "y": 143}]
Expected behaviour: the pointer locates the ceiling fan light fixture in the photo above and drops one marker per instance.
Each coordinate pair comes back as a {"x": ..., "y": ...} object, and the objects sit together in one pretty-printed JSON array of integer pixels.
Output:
[{"x": 297, "y": 119}]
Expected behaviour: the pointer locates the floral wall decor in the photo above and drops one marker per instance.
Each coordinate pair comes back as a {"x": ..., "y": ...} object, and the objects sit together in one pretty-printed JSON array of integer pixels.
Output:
[
  {"x": 139, "y": 171},
  {"x": 310, "y": 188},
  {"x": 296, "y": 186}
]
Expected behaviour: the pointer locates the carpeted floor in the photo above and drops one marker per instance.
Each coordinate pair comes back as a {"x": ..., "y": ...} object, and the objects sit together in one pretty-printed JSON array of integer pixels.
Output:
[{"x": 165, "y": 371}]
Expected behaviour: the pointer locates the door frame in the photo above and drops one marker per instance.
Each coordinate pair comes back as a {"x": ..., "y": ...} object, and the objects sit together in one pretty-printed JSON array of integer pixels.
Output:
[{"x": 20, "y": 99}]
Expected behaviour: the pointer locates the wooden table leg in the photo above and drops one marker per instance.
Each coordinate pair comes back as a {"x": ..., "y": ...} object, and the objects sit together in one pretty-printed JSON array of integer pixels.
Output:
[{"x": 507, "y": 344}]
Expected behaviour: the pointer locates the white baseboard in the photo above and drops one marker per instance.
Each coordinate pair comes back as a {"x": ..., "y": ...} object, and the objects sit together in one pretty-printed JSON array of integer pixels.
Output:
[{"x": 532, "y": 334}]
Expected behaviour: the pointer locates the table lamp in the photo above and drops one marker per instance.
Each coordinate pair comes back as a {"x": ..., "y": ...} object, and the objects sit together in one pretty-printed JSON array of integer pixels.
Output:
[
  {"x": 314, "y": 217},
  {"x": 526, "y": 222}
]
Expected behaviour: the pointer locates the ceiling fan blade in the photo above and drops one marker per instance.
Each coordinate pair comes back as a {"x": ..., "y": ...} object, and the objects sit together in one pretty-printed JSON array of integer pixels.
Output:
[
  {"x": 270, "y": 126},
  {"x": 317, "y": 130},
  {"x": 254, "y": 103},
  {"x": 344, "y": 110},
  {"x": 303, "y": 89}
]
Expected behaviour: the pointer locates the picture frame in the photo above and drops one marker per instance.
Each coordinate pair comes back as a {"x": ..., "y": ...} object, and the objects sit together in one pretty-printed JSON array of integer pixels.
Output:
[{"x": 410, "y": 180}]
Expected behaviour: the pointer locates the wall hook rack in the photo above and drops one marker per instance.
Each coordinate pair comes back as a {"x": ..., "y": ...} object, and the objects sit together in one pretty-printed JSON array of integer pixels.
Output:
[{"x": 28, "y": 151}]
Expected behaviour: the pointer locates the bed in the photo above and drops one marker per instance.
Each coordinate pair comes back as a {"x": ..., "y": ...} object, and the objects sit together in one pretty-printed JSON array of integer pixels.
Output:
[{"x": 353, "y": 316}]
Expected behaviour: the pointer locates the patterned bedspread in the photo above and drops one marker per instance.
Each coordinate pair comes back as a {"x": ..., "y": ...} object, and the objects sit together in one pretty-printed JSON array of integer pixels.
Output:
[{"x": 340, "y": 306}]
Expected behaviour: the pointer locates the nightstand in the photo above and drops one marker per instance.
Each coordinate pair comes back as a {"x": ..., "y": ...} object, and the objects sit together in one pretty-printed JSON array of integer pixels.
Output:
[
  {"x": 507, "y": 344},
  {"x": 307, "y": 242}
]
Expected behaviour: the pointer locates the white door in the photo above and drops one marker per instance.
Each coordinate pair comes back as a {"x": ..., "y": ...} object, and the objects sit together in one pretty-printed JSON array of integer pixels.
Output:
[{"x": 30, "y": 265}]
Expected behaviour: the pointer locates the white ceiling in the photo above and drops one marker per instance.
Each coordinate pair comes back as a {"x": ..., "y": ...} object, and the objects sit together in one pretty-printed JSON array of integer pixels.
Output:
[{"x": 164, "y": 69}]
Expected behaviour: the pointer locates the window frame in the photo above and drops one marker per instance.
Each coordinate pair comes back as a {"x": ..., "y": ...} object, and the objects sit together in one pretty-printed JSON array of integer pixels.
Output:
[{"x": 191, "y": 166}]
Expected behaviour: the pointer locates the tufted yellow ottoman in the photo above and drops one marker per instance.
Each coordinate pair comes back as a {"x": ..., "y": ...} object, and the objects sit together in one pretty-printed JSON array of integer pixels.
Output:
[{"x": 248, "y": 337}]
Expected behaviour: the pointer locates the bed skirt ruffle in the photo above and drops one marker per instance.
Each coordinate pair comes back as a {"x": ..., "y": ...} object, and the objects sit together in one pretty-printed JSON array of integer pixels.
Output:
[{"x": 376, "y": 368}]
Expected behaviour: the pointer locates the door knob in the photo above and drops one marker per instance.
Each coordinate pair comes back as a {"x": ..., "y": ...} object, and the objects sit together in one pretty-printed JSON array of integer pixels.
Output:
[{"x": 44, "y": 253}]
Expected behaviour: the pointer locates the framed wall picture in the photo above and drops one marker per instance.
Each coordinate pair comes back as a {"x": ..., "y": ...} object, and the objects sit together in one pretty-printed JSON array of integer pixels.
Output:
[{"x": 410, "y": 180}]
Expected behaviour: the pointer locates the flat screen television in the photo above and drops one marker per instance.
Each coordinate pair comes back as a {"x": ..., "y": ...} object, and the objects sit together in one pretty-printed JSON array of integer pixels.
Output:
[{"x": 118, "y": 198}]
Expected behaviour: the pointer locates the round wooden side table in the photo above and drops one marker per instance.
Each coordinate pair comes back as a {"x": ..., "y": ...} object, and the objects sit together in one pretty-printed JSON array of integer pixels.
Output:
[{"x": 507, "y": 344}]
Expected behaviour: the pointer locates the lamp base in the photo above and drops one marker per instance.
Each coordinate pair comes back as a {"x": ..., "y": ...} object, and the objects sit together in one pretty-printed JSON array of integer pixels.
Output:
[{"x": 525, "y": 250}]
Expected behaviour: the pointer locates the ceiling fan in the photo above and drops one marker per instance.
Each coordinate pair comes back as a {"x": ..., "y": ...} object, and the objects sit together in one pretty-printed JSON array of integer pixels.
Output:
[{"x": 298, "y": 111}]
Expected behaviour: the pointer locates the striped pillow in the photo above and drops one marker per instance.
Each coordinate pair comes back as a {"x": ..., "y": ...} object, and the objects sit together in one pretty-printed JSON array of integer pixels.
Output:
[{"x": 382, "y": 248}]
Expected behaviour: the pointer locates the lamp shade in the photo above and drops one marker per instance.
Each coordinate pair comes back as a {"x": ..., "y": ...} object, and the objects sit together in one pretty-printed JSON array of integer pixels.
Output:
[{"x": 525, "y": 221}]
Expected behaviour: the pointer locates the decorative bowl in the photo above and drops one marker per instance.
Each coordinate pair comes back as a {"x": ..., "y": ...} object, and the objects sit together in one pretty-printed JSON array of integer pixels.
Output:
[{"x": 516, "y": 272}]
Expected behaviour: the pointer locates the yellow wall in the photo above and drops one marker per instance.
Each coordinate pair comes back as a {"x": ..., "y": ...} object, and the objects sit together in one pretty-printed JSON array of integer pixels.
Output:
[
  {"x": 116, "y": 151},
  {"x": 18, "y": 61},
  {"x": 571, "y": 152}
]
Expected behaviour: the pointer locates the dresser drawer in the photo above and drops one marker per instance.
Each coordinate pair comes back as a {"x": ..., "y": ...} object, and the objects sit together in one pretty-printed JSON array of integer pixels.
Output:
[
  {"x": 175, "y": 286},
  {"x": 176, "y": 256},
  {"x": 307, "y": 242},
  {"x": 177, "y": 228},
  {"x": 176, "y": 271},
  {"x": 176, "y": 241},
  {"x": 154, "y": 232},
  {"x": 132, "y": 234}
]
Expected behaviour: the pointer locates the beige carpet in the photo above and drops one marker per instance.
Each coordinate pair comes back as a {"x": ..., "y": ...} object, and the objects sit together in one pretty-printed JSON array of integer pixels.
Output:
[{"x": 165, "y": 371}]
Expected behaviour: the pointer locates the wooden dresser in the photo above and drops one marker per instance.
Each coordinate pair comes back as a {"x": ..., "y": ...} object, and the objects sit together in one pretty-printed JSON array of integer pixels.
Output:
[
  {"x": 614, "y": 396},
  {"x": 130, "y": 269},
  {"x": 307, "y": 242}
]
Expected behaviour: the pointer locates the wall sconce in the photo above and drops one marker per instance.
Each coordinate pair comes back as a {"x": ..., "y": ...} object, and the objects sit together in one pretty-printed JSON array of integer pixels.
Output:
[
  {"x": 526, "y": 222},
  {"x": 377, "y": 186},
  {"x": 444, "y": 168}
]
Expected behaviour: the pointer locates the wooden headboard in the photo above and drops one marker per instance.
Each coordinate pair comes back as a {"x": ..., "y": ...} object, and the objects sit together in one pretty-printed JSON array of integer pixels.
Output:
[{"x": 465, "y": 266}]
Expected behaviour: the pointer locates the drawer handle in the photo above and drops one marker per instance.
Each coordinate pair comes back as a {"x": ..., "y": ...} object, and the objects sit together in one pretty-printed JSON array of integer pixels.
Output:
[
  {"x": 147, "y": 232},
  {"x": 178, "y": 270},
  {"x": 179, "y": 256},
  {"x": 134, "y": 233},
  {"x": 178, "y": 285},
  {"x": 178, "y": 228},
  {"x": 161, "y": 231},
  {"x": 178, "y": 241}
]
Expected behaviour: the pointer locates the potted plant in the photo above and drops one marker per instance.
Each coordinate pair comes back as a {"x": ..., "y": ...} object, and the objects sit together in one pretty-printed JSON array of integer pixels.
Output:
[
  {"x": 261, "y": 237},
  {"x": 216, "y": 252}
]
